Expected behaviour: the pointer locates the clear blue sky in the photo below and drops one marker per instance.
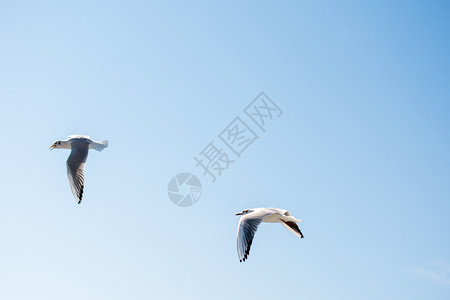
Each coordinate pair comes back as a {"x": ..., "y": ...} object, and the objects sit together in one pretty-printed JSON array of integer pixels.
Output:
[{"x": 361, "y": 153}]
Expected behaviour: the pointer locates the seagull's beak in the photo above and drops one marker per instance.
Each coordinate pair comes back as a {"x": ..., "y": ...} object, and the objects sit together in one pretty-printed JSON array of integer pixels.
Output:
[
  {"x": 52, "y": 147},
  {"x": 238, "y": 214}
]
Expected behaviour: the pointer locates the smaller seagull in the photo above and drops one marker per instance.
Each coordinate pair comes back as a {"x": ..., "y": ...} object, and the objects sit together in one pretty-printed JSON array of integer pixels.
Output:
[
  {"x": 250, "y": 220},
  {"x": 80, "y": 145}
]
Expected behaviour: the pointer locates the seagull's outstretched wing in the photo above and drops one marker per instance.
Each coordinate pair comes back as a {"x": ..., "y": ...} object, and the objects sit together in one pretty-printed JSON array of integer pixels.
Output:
[
  {"x": 75, "y": 167},
  {"x": 292, "y": 227},
  {"x": 248, "y": 224}
]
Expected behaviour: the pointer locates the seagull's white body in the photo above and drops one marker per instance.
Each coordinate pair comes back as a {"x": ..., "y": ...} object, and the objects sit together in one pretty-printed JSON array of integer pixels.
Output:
[
  {"x": 80, "y": 145},
  {"x": 250, "y": 220},
  {"x": 66, "y": 144}
]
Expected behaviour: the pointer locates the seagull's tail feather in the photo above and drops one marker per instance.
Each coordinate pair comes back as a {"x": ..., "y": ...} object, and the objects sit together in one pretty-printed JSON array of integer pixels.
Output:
[{"x": 99, "y": 146}]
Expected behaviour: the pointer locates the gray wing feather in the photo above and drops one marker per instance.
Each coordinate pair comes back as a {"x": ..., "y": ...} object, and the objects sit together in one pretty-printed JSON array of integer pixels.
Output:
[
  {"x": 248, "y": 224},
  {"x": 292, "y": 227},
  {"x": 246, "y": 232},
  {"x": 75, "y": 167}
]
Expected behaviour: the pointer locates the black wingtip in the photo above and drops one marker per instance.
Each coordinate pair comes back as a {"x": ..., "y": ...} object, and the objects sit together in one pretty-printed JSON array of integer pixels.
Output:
[{"x": 80, "y": 197}]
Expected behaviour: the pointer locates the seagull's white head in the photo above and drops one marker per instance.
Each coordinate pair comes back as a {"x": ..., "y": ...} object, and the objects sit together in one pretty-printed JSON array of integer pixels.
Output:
[
  {"x": 60, "y": 145},
  {"x": 244, "y": 212}
]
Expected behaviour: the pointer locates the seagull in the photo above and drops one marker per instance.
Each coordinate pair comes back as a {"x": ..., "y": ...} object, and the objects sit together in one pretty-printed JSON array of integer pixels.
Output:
[
  {"x": 80, "y": 145},
  {"x": 250, "y": 220}
]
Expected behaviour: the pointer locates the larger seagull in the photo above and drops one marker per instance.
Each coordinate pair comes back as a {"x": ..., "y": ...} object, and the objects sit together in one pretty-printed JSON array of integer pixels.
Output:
[
  {"x": 250, "y": 220},
  {"x": 80, "y": 145}
]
